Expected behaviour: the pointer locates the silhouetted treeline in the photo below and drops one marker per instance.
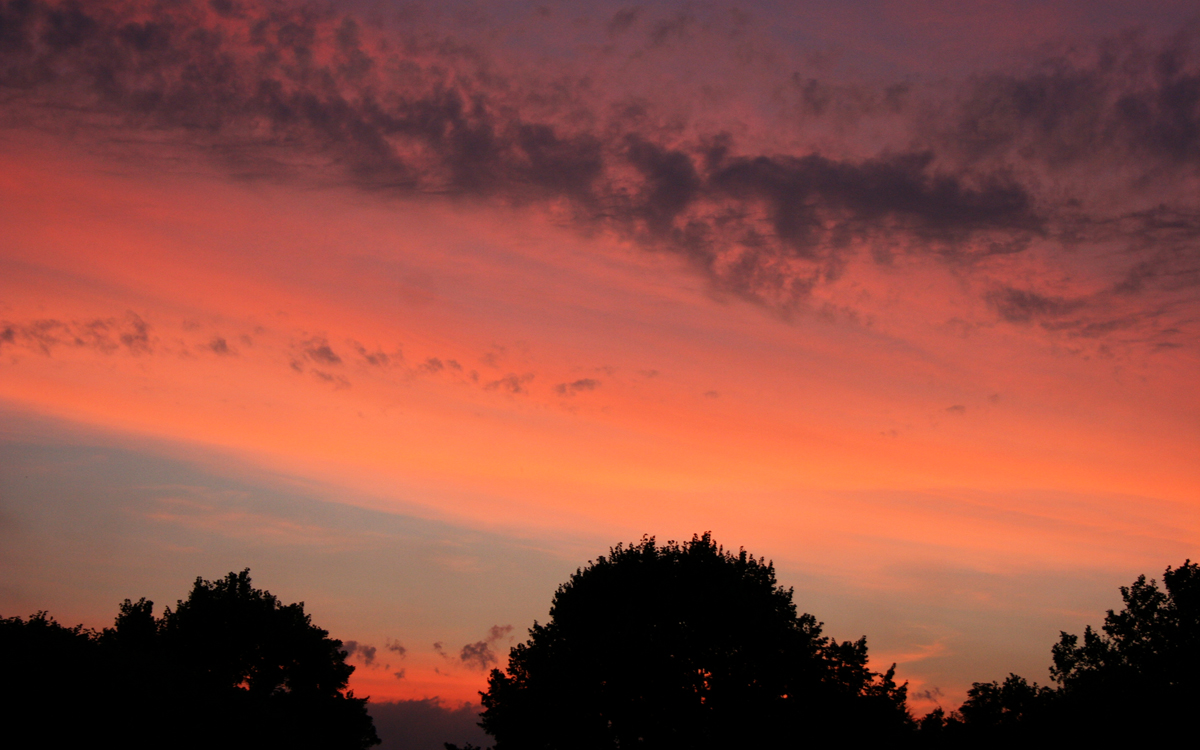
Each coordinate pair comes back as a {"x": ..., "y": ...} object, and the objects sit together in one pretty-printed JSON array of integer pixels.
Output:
[
  {"x": 663, "y": 647},
  {"x": 1134, "y": 681},
  {"x": 690, "y": 647},
  {"x": 229, "y": 667}
]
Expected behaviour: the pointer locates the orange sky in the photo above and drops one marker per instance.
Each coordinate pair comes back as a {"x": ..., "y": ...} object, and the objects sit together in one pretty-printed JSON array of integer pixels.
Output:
[{"x": 941, "y": 450}]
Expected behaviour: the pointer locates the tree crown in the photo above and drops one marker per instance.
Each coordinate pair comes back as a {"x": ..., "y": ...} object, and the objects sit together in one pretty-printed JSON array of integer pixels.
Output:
[
  {"x": 679, "y": 645},
  {"x": 1154, "y": 641}
]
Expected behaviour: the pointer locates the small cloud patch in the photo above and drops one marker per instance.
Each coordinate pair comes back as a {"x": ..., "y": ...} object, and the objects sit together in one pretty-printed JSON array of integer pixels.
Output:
[
  {"x": 570, "y": 389},
  {"x": 364, "y": 651},
  {"x": 318, "y": 350},
  {"x": 477, "y": 655},
  {"x": 511, "y": 383}
]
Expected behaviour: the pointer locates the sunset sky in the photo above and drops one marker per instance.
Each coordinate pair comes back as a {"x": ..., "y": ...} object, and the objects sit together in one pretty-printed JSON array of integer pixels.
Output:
[{"x": 413, "y": 309}]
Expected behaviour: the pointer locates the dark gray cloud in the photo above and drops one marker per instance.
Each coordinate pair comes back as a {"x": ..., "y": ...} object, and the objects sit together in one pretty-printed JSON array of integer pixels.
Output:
[
  {"x": 1098, "y": 316},
  {"x": 1125, "y": 97},
  {"x": 294, "y": 84},
  {"x": 337, "y": 381},
  {"x": 130, "y": 335},
  {"x": 396, "y": 648},
  {"x": 512, "y": 383},
  {"x": 135, "y": 334},
  {"x": 312, "y": 356},
  {"x": 435, "y": 365},
  {"x": 622, "y": 20},
  {"x": 806, "y": 194},
  {"x": 368, "y": 654},
  {"x": 578, "y": 386},
  {"x": 478, "y": 655},
  {"x": 1023, "y": 306},
  {"x": 288, "y": 91},
  {"x": 377, "y": 358},
  {"x": 317, "y": 349},
  {"x": 363, "y": 651},
  {"x": 426, "y": 725}
]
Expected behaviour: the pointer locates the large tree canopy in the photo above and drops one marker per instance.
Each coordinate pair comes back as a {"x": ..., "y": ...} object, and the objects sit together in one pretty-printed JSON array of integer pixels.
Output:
[
  {"x": 684, "y": 646},
  {"x": 231, "y": 666}
]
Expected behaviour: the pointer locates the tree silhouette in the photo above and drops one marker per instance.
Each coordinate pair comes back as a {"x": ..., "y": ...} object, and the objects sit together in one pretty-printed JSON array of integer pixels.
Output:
[
  {"x": 230, "y": 666},
  {"x": 684, "y": 646},
  {"x": 1144, "y": 664},
  {"x": 1134, "y": 682},
  {"x": 998, "y": 713},
  {"x": 41, "y": 660}
]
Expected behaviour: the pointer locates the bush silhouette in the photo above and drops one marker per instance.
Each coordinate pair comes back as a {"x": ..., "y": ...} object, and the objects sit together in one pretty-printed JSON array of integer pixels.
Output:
[
  {"x": 684, "y": 646},
  {"x": 230, "y": 666}
]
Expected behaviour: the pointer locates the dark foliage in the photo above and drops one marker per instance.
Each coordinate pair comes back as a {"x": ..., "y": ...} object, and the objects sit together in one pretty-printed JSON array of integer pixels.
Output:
[
  {"x": 685, "y": 646},
  {"x": 43, "y": 660},
  {"x": 1004, "y": 708},
  {"x": 1143, "y": 664},
  {"x": 230, "y": 666},
  {"x": 1131, "y": 683},
  {"x": 994, "y": 714}
]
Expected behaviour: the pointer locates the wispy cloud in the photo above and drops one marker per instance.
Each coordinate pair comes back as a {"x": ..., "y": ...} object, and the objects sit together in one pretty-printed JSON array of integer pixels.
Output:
[
  {"x": 129, "y": 334},
  {"x": 362, "y": 651},
  {"x": 577, "y": 386},
  {"x": 479, "y": 655}
]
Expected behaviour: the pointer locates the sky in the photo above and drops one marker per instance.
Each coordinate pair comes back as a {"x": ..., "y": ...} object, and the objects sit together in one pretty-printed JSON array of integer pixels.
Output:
[{"x": 413, "y": 309}]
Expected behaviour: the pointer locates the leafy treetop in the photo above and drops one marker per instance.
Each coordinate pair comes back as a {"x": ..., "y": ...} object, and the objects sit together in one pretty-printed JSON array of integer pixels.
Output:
[{"x": 683, "y": 646}]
